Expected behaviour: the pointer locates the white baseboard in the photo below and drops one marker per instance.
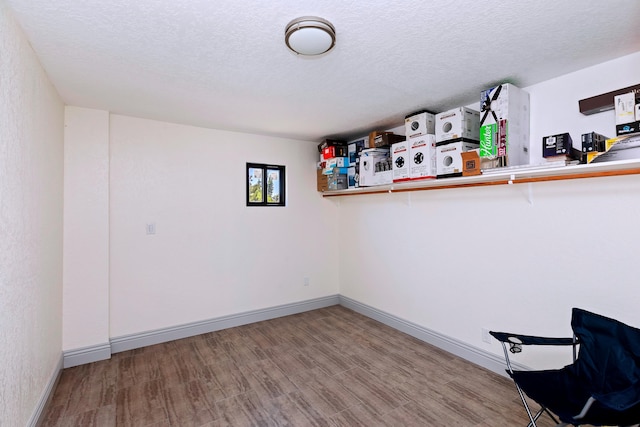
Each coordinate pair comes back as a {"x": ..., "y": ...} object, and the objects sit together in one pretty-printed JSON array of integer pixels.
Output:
[
  {"x": 84, "y": 355},
  {"x": 456, "y": 347},
  {"x": 129, "y": 342},
  {"x": 37, "y": 418}
]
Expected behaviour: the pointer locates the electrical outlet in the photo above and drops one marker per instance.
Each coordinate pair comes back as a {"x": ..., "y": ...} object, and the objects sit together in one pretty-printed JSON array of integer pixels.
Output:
[
  {"x": 486, "y": 337},
  {"x": 151, "y": 228},
  {"x": 306, "y": 281}
]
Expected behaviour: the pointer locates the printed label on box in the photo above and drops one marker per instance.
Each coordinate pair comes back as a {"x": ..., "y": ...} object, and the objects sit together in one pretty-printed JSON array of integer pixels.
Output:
[
  {"x": 423, "y": 157},
  {"x": 625, "y": 108},
  {"x": 400, "y": 154},
  {"x": 487, "y": 143}
]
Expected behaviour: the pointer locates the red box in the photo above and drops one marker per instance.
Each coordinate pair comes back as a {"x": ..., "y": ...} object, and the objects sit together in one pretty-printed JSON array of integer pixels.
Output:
[{"x": 334, "y": 151}]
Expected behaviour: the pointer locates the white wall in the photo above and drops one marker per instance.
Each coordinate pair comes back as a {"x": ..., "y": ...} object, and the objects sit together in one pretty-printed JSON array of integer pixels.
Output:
[
  {"x": 211, "y": 255},
  {"x": 86, "y": 228},
  {"x": 455, "y": 261},
  {"x": 31, "y": 186}
]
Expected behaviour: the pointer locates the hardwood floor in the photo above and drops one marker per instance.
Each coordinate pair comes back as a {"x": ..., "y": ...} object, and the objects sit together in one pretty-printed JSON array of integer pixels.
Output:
[{"x": 328, "y": 367}]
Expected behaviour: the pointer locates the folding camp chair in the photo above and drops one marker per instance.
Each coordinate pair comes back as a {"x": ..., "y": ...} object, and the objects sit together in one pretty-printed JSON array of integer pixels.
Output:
[{"x": 601, "y": 387}]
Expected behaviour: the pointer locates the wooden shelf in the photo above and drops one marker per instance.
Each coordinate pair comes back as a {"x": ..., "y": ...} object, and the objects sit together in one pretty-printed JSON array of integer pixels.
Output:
[{"x": 516, "y": 176}]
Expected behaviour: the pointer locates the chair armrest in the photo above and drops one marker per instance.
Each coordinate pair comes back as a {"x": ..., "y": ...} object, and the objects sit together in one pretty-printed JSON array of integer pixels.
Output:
[{"x": 530, "y": 339}]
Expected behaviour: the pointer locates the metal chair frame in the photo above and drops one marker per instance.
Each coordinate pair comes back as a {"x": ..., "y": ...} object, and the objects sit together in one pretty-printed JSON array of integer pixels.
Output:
[{"x": 516, "y": 341}]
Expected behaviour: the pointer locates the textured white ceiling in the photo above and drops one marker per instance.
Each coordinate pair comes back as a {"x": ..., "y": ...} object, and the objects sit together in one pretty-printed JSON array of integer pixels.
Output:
[{"x": 223, "y": 63}]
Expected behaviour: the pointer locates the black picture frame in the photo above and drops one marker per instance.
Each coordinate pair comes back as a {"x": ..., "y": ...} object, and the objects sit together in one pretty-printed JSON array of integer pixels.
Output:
[{"x": 265, "y": 185}]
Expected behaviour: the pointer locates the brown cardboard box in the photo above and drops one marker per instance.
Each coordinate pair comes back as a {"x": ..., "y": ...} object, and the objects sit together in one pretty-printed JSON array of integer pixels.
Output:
[
  {"x": 470, "y": 163},
  {"x": 387, "y": 139},
  {"x": 323, "y": 181},
  {"x": 373, "y": 135}
]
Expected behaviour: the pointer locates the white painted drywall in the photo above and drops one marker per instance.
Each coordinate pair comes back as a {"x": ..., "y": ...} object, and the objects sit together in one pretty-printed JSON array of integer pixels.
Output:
[
  {"x": 31, "y": 185},
  {"x": 86, "y": 228},
  {"x": 210, "y": 255},
  {"x": 459, "y": 260}
]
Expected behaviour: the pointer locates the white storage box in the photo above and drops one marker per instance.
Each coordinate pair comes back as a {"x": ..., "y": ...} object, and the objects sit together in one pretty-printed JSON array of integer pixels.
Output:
[
  {"x": 625, "y": 106},
  {"x": 401, "y": 162},
  {"x": 449, "y": 158},
  {"x": 423, "y": 157},
  {"x": 419, "y": 124},
  {"x": 457, "y": 123},
  {"x": 370, "y": 173},
  {"x": 504, "y": 126}
]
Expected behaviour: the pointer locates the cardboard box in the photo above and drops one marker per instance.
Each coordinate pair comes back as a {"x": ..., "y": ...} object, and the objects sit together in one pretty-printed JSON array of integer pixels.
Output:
[
  {"x": 419, "y": 124},
  {"x": 351, "y": 175},
  {"x": 330, "y": 143},
  {"x": 387, "y": 140},
  {"x": 423, "y": 157},
  {"x": 371, "y": 172},
  {"x": 448, "y": 156},
  {"x": 354, "y": 148},
  {"x": 620, "y": 148},
  {"x": 337, "y": 162},
  {"x": 471, "y": 162},
  {"x": 338, "y": 180},
  {"x": 457, "y": 123},
  {"x": 504, "y": 126},
  {"x": 331, "y": 171},
  {"x": 334, "y": 151},
  {"x": 625, "y": 107},
  {"x": 374, "y": 134},
  {"x": 401, "y": 162},
  {"x": 593, "y": 141},
  {"x": 627, "y": 128},
  {"x": 323, "y": 181},
  {"x": 557, "y": 145}
]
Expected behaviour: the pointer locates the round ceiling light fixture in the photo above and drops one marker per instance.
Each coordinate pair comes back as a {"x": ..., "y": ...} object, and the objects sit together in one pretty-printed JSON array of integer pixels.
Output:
[{"x": 310, "y": 35}]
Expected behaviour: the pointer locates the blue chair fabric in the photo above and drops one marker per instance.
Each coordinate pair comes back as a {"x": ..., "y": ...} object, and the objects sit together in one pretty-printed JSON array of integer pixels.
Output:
[{"x": 607, "y": 368}]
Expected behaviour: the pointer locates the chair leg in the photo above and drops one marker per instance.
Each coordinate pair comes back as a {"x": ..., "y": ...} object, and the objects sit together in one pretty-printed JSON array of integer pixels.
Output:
[
  {"x": 526, "y": 407},
  {"x": 534, "y": 417}
]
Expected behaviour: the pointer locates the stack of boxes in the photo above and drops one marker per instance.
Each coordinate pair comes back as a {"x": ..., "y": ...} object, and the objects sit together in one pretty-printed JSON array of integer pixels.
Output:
[
  {"x": 354, "y": 149},
  {"x": 457, "y": 132},
  {"x": 462, "y": 141},
  {"x": 504, "y": 126},
  {"x": 375, "y": 162},
  {"x": 415, "y": 158},
  {"x": 438, "y": 146},
  {"x": 333, "y": 166}
]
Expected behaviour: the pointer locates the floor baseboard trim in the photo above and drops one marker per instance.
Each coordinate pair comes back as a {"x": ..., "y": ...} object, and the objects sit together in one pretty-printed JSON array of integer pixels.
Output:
[
  {"x": 130, "y": 342},
  {"x": 84, "y": 355},
  {"x": 37, "y": 418},
  {"x": 458, "y": 348}
]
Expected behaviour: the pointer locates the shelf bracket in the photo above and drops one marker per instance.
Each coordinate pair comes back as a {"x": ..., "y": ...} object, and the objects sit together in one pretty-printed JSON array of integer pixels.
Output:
[{"x": 530, "y": 194}]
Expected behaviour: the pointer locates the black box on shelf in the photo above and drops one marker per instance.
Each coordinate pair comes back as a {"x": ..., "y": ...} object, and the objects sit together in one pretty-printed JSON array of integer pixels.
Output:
[
  {"x": 331, "y": 143},
  {"x": 556, "y": 145},
  {"x": 593, "y": 141},
  {"x": 627, "y": 128}
]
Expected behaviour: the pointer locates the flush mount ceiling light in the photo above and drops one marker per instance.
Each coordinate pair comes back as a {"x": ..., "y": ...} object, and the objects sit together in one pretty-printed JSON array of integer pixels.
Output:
[{"x": 310, "y": 35}]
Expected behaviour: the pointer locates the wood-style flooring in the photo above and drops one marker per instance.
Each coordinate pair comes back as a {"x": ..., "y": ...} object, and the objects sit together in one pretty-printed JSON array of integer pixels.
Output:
[{"x": 327, "y": 367}]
